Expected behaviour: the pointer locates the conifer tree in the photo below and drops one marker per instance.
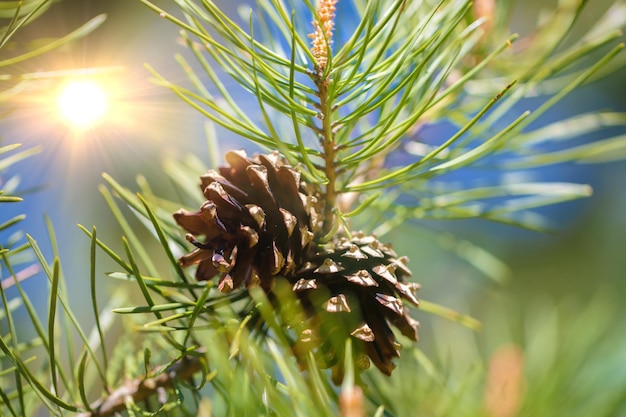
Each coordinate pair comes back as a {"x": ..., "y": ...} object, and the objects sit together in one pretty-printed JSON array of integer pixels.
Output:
[{"x": 279, "y": 287}]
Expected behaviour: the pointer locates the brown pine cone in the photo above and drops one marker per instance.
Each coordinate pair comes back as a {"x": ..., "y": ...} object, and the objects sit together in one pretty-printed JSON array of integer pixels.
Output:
[
  {"x": 257, "y": 222},
  {"x": 260, "y": 222},
  {"x": 363, "y": 280}
]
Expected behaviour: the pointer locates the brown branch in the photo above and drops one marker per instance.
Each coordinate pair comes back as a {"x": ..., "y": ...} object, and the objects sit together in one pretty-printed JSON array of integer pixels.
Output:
[{"x": 141, "y": 389}]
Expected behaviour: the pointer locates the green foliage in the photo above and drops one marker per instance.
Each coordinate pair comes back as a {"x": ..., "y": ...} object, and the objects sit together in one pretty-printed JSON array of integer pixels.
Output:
[
  {"x": 564, "y": 346},
  {"x": 25, "y": 375},
  {"x": 391, "y": 78},
  {"x": 165, "y": 344}
]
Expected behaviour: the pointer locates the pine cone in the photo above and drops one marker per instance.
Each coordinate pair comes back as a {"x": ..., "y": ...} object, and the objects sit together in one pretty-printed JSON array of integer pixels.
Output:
[
  {"x": 258, "y": 221},
  {"x": 364, "y": 280}
]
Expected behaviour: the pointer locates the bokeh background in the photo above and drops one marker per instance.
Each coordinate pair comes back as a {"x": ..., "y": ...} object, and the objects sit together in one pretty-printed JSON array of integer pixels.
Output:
[{"x": 564, "y": 294}]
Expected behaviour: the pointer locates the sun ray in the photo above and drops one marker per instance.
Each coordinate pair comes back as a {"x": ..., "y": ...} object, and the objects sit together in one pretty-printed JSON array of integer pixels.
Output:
[{"x": 82, "y": 103}]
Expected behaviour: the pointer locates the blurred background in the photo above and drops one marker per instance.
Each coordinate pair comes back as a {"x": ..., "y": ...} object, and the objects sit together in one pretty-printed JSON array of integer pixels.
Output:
[{"x": 562, "y": 302}]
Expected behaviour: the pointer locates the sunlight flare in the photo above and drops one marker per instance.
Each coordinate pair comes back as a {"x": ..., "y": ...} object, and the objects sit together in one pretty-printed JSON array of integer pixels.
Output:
[{"x": 82, "y": 103}]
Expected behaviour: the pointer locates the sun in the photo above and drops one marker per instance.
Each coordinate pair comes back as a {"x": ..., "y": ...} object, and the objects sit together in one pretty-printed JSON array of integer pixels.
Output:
[{"x": 82, "y": 103}]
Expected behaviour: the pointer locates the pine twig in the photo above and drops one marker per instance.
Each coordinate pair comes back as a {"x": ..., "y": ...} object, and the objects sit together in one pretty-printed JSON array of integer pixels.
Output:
[
  {"x": 140, "y": 389},
  {"x": 321, "y": 49}
]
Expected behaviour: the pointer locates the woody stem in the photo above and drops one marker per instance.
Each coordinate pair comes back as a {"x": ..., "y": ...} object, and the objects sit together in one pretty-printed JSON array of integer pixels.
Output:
[{"x": 330, "y": 150}]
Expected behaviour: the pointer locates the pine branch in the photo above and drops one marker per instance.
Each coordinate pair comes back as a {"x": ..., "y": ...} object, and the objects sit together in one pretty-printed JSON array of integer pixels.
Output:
[
  {"x": 321, "y": 49},
  {"x": 290, "y": 291},
  {"x": 141, "y": 389}
]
